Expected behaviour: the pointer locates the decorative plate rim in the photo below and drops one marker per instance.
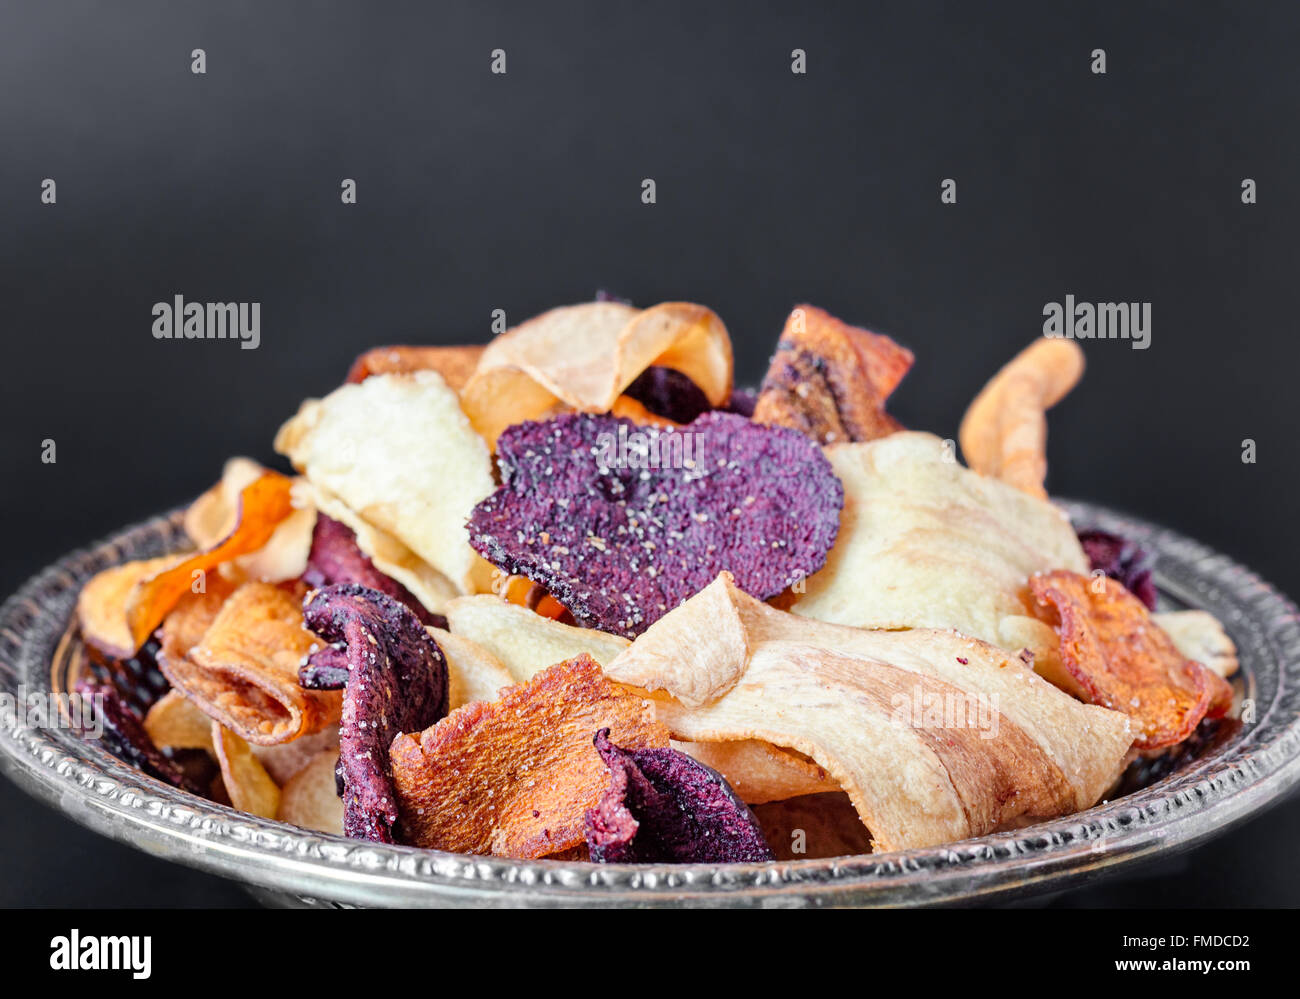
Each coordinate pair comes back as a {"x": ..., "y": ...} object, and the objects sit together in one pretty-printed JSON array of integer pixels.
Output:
[{"x": 1252, "y": 770}]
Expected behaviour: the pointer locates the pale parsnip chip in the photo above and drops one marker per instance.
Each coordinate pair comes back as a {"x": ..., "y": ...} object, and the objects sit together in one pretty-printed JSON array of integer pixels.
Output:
[
  {"x": 398, "y": 450},
  {"x": 386, "y": 553},
  {"x": 244, "y": 670},
  {"x": 583, "y": 356},
  {"x": 926, "y": 543},
  {"x": 1004, "y": 431},
  {"x": 758, "y": 771},
  {"x": 309, "y": 798},
  {"x": 525, "y": 642},
  {"x": 1198, "y": 635},
  {"x": 249, "y": 786},
  {"x": 935, "y": 736},
  {"x": 473, "y": 673}
]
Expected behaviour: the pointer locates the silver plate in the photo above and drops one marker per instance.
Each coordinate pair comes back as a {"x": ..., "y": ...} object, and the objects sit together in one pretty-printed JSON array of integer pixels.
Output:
[{"x": 1249, "y": 767}]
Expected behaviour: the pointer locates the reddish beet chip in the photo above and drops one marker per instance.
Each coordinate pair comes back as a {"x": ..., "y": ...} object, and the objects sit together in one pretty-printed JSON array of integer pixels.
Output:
[
  {"x": 1123, "y": 561},
  {"x": 396, "y": 682},
  {"x": 663, "y": 807},
  {"x": 107, "y": 718},
  {"x": 668, "y": 393},
  {"x": 621, "y": 523},
  {"x": 335, "y": 558}
]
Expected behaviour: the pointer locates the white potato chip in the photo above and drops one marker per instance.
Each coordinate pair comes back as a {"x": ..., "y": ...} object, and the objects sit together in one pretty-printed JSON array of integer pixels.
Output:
[
  {"x": 310, "y": 798},
  {"x": 398, "y": 450},
  {"x": 1198, "y": 635},
  {"x": 473, "y": 673}
]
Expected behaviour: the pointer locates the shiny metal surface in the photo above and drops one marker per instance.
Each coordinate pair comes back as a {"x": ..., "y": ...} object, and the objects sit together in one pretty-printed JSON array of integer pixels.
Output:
[{"x": 1249, "y": 767}]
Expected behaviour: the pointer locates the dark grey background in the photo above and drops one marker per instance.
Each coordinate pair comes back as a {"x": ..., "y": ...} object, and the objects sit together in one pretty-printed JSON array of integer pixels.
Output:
[{"x": 522, "y": 191}]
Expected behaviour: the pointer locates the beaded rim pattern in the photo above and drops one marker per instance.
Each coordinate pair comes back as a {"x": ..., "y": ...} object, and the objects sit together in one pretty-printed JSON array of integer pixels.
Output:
[{"x": 1250, "y": 770}]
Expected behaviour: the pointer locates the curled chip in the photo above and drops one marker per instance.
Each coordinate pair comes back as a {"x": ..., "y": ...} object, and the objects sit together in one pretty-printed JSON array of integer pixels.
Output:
[
  {"x": 759, "y": 772},
  {"x": 662, "y": 807},
  {"x": 455, "y": 364},
  {"x": 1004, "y": 431},
  {"x": 830, "y": 380},
  {"x": 620, "y": 524},
  {"x": 335, "y": 558},
  {"x": 1122, "y": 560},
  {"x": 584, "y": 356},
  {"x": 1124, "y": 661},
  {"x": 515, "y": 777},
  {"x": 120, "y": 608},
  {"x": 243, "y": 669},
  {"x": 397, "y": 682}
]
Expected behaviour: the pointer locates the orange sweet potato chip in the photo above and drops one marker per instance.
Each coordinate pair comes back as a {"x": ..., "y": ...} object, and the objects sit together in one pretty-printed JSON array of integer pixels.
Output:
[
  {"x": 515, "y": 777},
  {"x": 243, "y": 671},
  {"x": 262, "y": 505},
  {"x": 101, "y": 606},
  {"x": 455, "y": 364},
  {"x": 830, "y": 380},
  {"x": 1124, "y": 661}
]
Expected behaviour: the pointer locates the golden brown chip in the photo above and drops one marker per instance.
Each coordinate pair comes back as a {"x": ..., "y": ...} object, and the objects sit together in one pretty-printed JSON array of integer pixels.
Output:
[
  {"x": 455, "y": 364},
  {"x": 515, "y": 777},
  {"x": 1004, "y": 431},
  {"x": 263, "y": 504},
  {"x": 101, "y": 605},
  {"x": 187, "y": 622},
  {"x": 830, "y": 380},
  {"x": 1125, "y": 661},
  {"x": 310, "y": 799},
  {"x": 758, "y": 771},
  {"x": 247, "y": 783},
  {"x": 583, "y": 356},
  {"x": 244, "y": 671},
  {"x": 176, "y": 722}
]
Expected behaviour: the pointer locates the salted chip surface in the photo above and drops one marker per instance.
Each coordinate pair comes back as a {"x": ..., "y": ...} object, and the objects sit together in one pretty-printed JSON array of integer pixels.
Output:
[
  {"x": 515, "y": 777},
  {"x": 397, "y": 682},
  {"x": 398, "y": 450},
  {"x": 620, "y": 524},
  {"x": 830, "y": 380},
  {"x": 663, "y": 807},
  {"x": 1125, "y": 661}
]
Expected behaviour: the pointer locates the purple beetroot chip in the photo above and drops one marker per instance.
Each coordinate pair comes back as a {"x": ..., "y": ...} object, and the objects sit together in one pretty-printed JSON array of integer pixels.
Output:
[
  {"x": 1122, "y": 560},
  {"x": 663, "y": 807},
  {"x": 668, "y": 393},
  {"x": 396, "y": 682},
  {"x": 107, "y": 719},
  {"x": 621, "y": 523}
]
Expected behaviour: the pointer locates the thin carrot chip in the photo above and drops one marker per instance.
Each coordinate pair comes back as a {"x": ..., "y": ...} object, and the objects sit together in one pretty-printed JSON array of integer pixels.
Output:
[
  {"x": 515, "y": 777},
  {"x": 1125, "y": 661},
  {"x": 249, "y": 785},
  {"x": 262, "y": 505},
  {"x": 244, "y": 671},
  {"x": 830, "y": 380},
  {"x": 455, "y": 364}
]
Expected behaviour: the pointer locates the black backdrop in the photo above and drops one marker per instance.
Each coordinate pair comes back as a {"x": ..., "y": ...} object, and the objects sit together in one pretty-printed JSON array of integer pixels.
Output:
[{"x": 479, "y": 191}]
